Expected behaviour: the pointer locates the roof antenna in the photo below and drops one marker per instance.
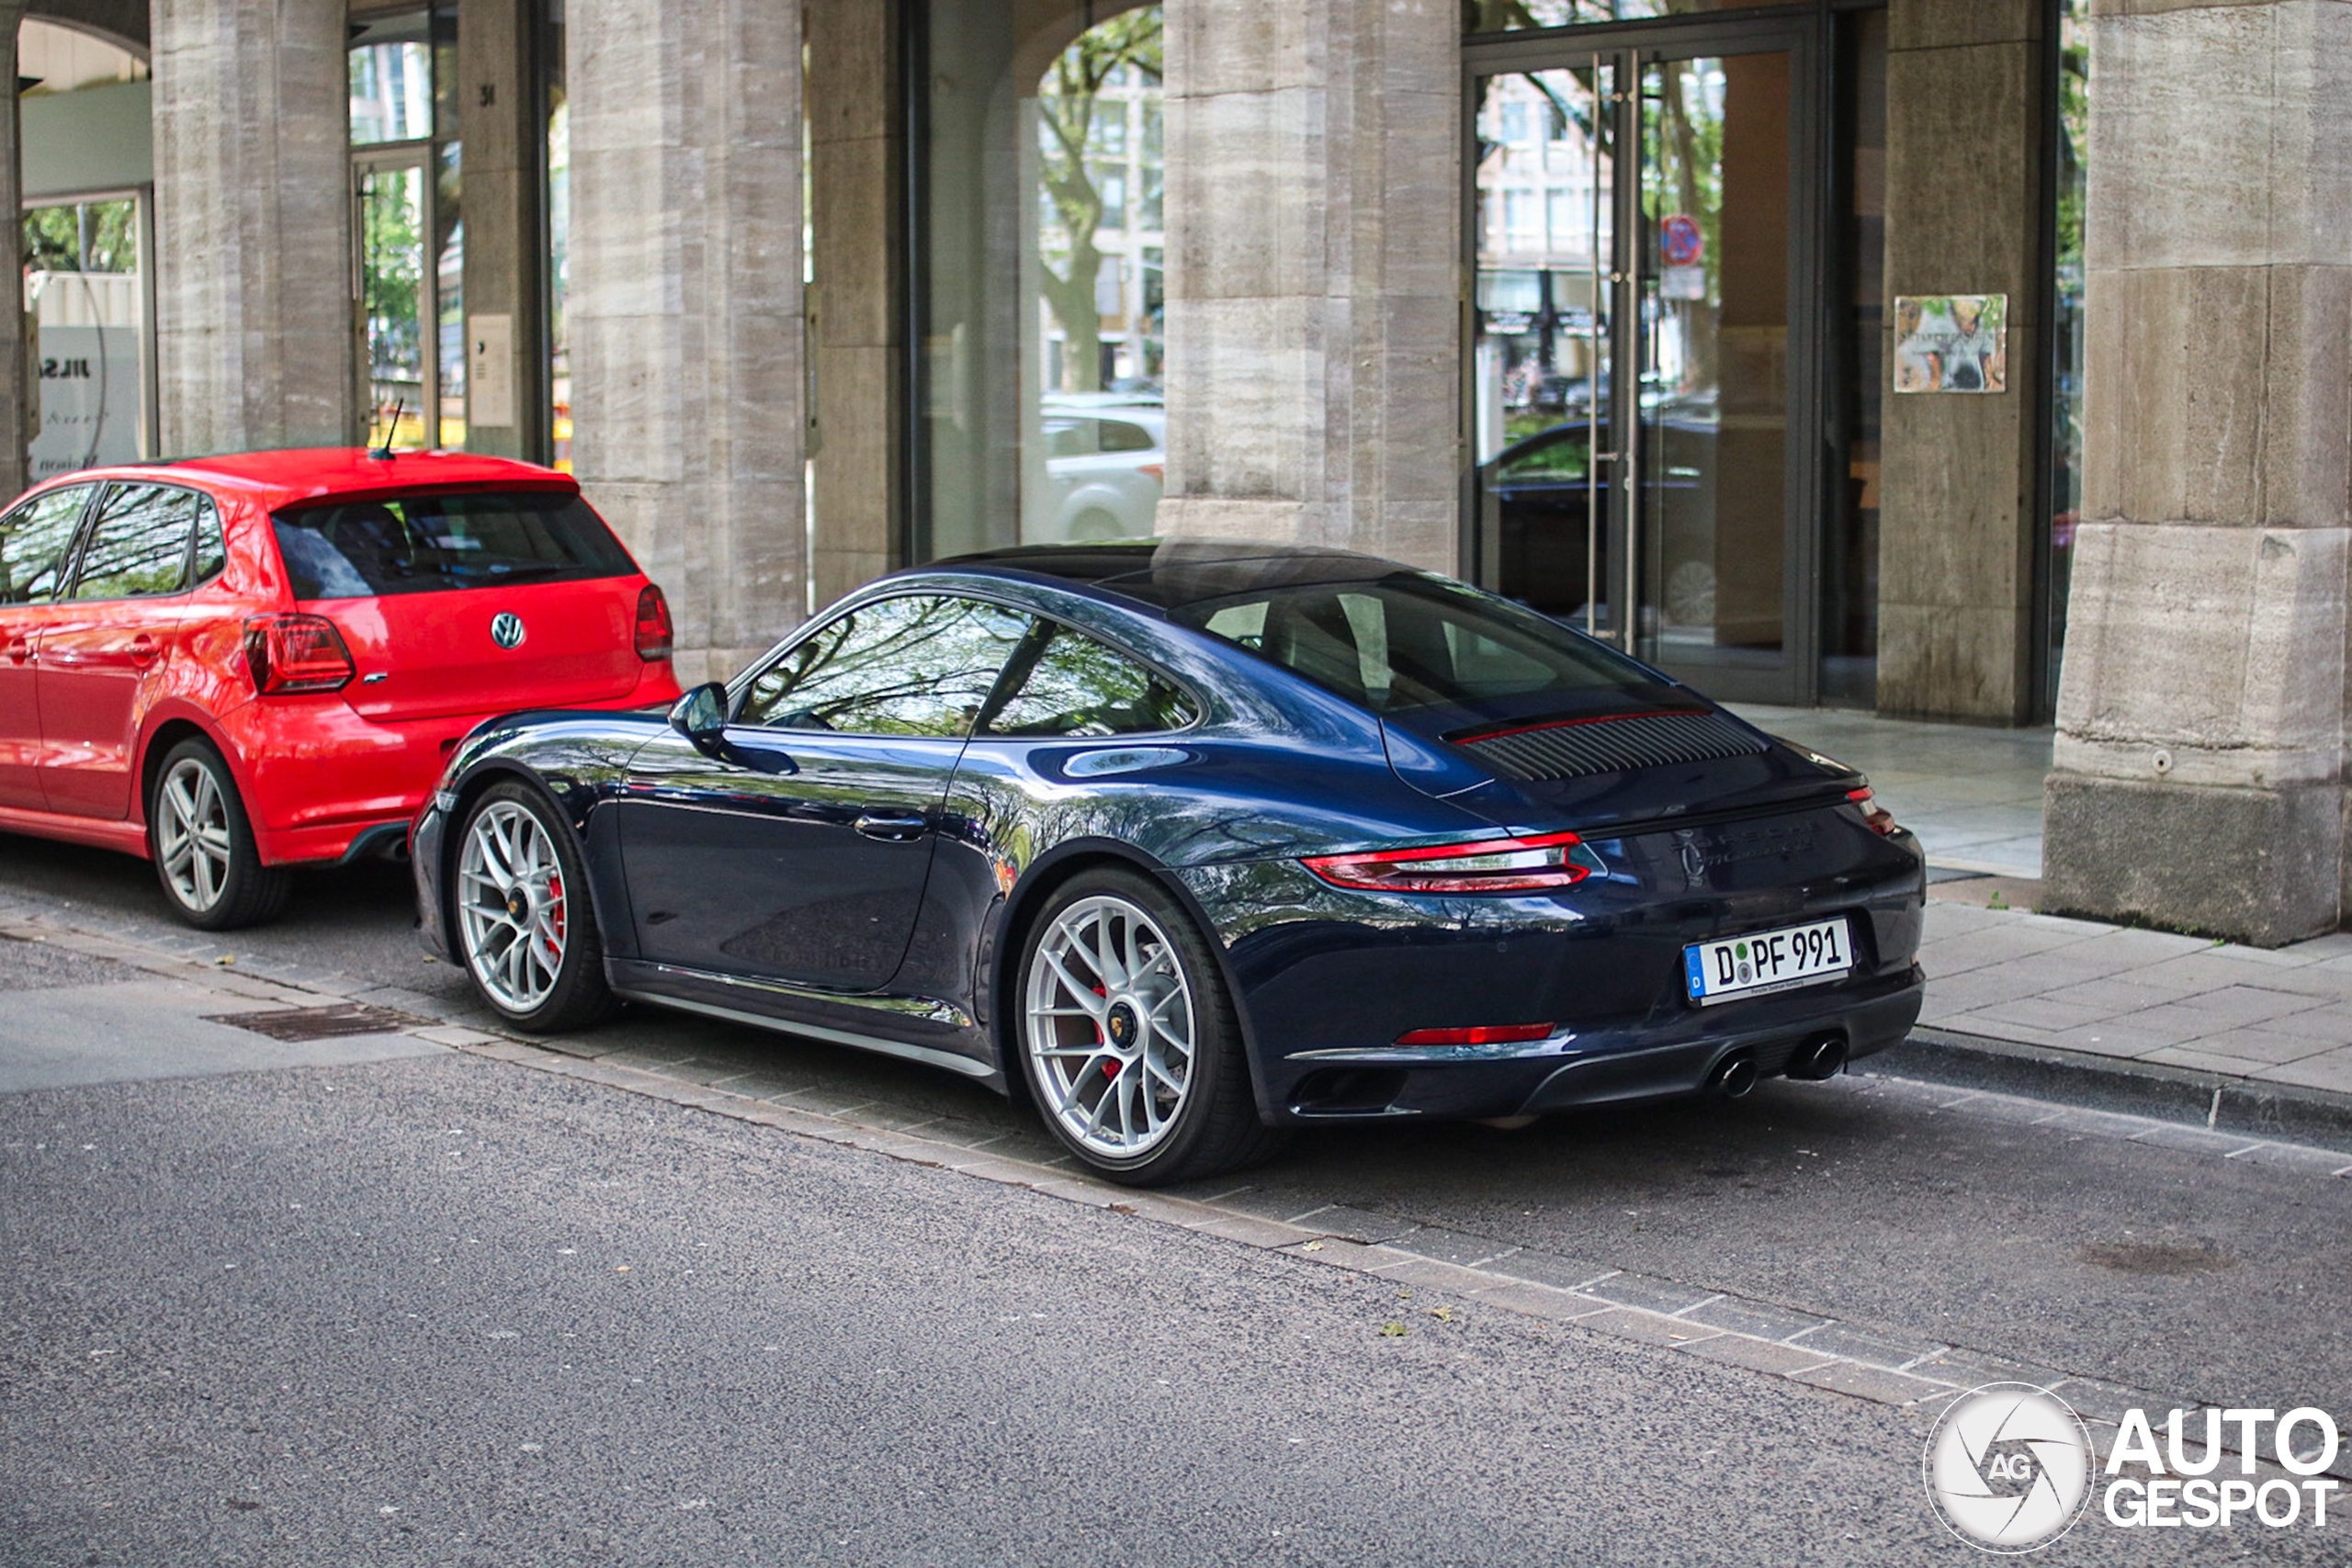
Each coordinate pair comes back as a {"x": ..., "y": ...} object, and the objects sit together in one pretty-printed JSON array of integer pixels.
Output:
[{"x": 384, "y": 452}]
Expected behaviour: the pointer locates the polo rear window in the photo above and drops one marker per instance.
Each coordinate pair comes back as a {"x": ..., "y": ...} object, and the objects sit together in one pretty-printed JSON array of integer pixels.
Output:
[{"x": 422, "y": 544}]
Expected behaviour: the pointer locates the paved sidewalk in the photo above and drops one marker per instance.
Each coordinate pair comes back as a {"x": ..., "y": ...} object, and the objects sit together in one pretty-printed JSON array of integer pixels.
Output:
[
  {"x": 1973, "y": 795},
  {"x": 2277, "y": 1017}
]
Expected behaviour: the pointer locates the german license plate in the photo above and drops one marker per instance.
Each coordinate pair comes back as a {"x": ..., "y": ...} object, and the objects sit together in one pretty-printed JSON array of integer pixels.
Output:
[{"x": 1766, "y": 961}]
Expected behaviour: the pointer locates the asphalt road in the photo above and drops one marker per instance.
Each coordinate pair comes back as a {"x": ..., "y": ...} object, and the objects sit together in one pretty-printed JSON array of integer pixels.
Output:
[{"x": 840, "y": 1358}]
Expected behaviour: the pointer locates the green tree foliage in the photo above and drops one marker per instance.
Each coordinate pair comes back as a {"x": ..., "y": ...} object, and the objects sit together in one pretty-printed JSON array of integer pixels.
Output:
[
  {"x": 1066, "y": 102},
  {"x": 55, "y": 237},
  {"x": 392, "y": 272}
]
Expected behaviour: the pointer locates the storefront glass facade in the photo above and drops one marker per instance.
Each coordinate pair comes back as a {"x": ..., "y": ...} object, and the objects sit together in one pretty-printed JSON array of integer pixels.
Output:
[{"x": 1040, "y": 289}]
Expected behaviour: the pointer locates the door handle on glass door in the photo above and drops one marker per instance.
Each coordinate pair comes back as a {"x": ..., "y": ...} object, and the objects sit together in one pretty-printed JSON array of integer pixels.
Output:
[{"x": 891, "y": 829}]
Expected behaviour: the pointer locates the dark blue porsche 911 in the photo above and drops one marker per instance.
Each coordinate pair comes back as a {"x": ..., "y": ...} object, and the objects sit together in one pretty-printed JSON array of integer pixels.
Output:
[{"x": 1194, "y": 842}]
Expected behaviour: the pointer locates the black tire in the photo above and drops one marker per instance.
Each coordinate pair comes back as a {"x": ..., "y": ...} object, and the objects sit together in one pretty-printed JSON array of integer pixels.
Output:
[
  {"x": 576, "y": 995},
  {"x": 202, "y": 844},
  {"x": 1216, "y": 1126}
]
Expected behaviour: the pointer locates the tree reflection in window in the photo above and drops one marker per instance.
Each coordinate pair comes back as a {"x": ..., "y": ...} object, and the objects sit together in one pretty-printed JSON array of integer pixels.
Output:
[
  {"x": 916, "y": 665},
  {"x": 1064, "y": 683},
  {"x": 139, "y": 545}
]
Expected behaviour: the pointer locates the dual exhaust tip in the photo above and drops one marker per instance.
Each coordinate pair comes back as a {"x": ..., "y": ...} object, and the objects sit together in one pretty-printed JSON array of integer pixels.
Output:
[{"x": 1823, "y": 1056}]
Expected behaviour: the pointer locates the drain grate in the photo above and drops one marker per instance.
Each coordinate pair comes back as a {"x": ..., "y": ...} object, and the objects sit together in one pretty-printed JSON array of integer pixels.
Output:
[{"x": 293, "y": 1024}]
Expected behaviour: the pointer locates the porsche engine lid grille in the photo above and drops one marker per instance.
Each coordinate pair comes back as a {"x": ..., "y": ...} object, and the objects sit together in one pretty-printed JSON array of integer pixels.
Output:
[{"x": 1575, "y": 748}]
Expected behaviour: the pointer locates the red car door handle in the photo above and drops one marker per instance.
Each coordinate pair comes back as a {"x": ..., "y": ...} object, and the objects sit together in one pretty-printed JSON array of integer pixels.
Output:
[
  {"x": 143, "y": 649},
  {"x": 20, "y": 650}
]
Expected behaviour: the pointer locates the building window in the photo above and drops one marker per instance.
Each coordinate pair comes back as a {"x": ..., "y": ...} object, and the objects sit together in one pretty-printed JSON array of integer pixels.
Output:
[
  {"x": 1513, "y": 15},
  {"x": 1040, "y": 275},
  {"x": 406, "y": 176}
]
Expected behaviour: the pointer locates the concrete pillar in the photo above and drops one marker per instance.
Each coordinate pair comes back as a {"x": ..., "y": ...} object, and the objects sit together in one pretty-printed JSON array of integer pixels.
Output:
[
  {"x": 507, "y": 401},
  {"x": 15, "y": 426},
  {"x": 1314, "y": 308},
  {"x": 684, "y": 307},
  {"x": 257, "y": 328},
  {"x": 2199, "y": 778},
  {"x": 858, "y": 158},
  {"x": 1957, "y": 524}
]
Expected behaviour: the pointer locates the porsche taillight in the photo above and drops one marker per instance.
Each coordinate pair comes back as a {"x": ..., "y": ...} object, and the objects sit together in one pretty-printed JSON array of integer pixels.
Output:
[
  {"x": 1878, "y": 817},
  {"x": 296, "y": 653},
  {"x": 1530, "y": 863},
  {"x": 653, "y": 630}
]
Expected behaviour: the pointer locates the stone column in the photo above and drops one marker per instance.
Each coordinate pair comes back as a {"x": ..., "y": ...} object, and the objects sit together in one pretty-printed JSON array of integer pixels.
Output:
[
  {"x": 256, "y": 327},
  {"x": 15, "y": 432},
  {"x": 685, "y": 309},
  {"x": 1314, "y": 308},
  {"x": 2199, "y": 778},
  {"x": 507, "y": 401},
  {"x": 858, "y": 158},
  {"x": 1957, "y": 524}
]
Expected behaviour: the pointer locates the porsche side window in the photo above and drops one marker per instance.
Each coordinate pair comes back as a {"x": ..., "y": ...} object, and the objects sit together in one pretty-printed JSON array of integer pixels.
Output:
[
  {"x": 139, "y": 544},
  {"x": 918, "y": 665},
  {"x": 33, "y": 542},
  {"x": 1243, "y": 624},
  {"x": 1065, "y": 683}
]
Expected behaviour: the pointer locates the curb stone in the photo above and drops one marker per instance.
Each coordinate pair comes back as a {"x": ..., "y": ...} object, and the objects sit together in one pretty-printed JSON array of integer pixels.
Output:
[{"x": 2180, "y": 1095}]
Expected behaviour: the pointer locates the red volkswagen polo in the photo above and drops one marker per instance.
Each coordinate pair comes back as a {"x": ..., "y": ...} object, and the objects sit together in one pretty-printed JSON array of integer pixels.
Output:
[{"x": 235, "y": 665}]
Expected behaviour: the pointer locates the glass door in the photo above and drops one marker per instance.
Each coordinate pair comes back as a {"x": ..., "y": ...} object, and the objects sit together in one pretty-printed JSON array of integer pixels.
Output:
[
  {"x": 1543, "y": 341},
  {"x": 396, "y": 300},
  {"x": 1638, "y": 371}
]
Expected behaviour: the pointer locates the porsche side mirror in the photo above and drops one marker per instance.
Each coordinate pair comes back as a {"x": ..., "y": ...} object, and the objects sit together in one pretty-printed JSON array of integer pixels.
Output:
[{"x": 701, "y": 716}]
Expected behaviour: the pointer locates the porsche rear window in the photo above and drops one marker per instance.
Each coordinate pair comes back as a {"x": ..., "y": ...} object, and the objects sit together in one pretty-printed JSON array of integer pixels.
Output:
[
  {"x": 1408, "y": 645},
  {"x": 423, "y": 544}
]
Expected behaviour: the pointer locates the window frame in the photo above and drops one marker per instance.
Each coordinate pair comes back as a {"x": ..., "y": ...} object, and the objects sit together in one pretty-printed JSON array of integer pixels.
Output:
[{"x": 88, "y": 530}]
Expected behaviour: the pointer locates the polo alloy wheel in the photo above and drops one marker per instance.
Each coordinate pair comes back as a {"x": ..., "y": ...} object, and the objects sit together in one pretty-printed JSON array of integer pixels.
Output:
[
  {"x": 192, "y": 839},
  {"x": 206, "y": 856}
]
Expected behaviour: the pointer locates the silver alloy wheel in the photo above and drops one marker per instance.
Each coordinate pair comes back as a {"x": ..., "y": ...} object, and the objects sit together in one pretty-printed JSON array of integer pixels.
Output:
[
  {"x": 512, "y": 911},
  {"x": 1111, "y": 1026},
  {"x": 192, "y": 837}
]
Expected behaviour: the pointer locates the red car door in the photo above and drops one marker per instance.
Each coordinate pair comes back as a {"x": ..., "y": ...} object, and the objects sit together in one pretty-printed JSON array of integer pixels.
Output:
[
  {"x": 35, "y": 540},
  {"x": 113, "y": 636}
]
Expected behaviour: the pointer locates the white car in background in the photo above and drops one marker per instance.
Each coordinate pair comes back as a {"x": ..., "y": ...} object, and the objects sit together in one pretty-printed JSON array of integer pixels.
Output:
[{"x": 1105, "y": 457}]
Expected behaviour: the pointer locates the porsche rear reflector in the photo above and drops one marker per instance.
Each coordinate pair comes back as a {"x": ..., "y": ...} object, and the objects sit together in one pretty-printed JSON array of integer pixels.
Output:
[{"x": 1479, "y": 1034}]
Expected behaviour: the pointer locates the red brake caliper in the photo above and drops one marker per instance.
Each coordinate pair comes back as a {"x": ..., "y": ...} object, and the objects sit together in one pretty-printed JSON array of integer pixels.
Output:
[
  {"x": 1110, "y": 1069},
  {"x": 554, "y": 914}
]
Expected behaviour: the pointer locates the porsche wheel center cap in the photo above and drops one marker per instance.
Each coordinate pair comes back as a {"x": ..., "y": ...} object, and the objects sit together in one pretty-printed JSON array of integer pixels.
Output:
[
  {"x": 518, "y": 905},
  {"x": 1123, "y": 1025}
]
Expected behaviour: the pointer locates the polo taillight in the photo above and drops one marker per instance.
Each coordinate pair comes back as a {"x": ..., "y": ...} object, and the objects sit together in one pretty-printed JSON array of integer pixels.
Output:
[
  {"x": 1532, "y": 864},
  {"x": 1879, "y": 819},
  {"x": 653, "y": 631},
  {"x": 296, "y": 653}
]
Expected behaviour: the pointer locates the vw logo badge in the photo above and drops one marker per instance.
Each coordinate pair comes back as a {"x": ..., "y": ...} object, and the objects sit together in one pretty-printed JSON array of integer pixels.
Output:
[{"x": 507, "y": 630}]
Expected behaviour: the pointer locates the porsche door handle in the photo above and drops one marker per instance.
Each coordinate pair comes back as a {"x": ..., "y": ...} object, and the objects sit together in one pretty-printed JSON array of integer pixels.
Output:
[
  {"x": 20, "y": 651},
  {"x": 893, "y": 829},
  {"x": 143, "y": 651}
]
